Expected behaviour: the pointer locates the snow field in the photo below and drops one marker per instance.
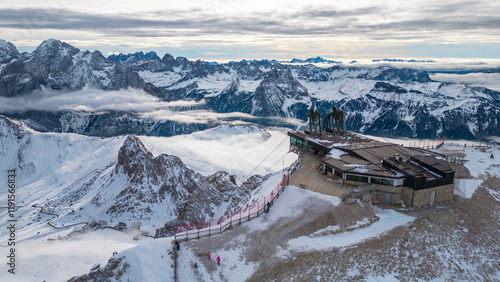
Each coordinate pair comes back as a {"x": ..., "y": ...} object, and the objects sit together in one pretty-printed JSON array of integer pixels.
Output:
[
  {"x": 149, "y": 261},
  {"x": 62, "y": 159},
  {"x": 389, "y": 219},
  {"x": 57, "y": 165},
  {"x": 289, "y": 204},
  {"x": 61, "y": 259},
  {"x": 466, "y": 187}
]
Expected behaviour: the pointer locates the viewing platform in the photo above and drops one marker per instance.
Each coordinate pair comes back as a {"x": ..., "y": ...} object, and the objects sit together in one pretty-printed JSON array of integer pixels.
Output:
[{"x": 308, "y": 177}]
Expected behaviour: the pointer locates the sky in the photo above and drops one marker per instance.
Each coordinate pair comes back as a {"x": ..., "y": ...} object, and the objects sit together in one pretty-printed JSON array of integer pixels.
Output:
[{"x": 260, "y": 29}]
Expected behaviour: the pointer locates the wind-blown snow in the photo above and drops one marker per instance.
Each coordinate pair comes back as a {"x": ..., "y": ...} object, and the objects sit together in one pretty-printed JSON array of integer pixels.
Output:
[
  {"x": 389, "y": 219},
  {"x": 466, "y": 187}
]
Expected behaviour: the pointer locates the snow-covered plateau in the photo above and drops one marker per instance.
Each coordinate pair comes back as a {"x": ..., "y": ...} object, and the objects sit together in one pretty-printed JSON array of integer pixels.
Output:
[{"x": 89, "y": 207}]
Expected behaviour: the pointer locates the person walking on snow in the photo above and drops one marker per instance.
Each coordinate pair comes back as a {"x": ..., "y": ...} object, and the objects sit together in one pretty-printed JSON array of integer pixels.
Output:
[
  {"x": 218, "y": 260},
  {"x": 195, "y": 267},
  {"x": 208, "y": 255}
]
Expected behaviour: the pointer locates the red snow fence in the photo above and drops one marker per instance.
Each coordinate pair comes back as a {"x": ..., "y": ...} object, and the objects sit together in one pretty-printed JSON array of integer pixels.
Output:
[{"x": 218, "y": 225}]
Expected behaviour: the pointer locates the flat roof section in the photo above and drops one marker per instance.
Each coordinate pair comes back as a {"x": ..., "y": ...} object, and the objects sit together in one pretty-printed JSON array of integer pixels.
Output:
[
  {"x": 375, "y": 152},
  {"x": 438, "y": 162},
  {"x": 357, "y": 168},
  {"x": 328, "y": 140}
]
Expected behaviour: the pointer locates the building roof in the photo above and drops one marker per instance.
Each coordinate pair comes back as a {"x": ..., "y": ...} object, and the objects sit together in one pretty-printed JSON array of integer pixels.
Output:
[
  {"x": 376, "y": 152},
  {"x": 328, "y": 140},
  {"x": 359, "y": 166},
  {"x": 351, "y": 153}
]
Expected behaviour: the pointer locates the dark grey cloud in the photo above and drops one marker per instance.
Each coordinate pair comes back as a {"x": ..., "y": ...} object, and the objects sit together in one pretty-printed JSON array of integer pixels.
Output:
[{"x": 321, "y": 22}]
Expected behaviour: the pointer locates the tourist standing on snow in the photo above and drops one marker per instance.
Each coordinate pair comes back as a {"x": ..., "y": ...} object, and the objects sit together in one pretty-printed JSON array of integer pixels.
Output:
[
  {"x": 208, "y": 255},
  {"x": 195, "y": 267},
  {"x": 218, "y": 260},
  {"x": 177, "y": 245}
]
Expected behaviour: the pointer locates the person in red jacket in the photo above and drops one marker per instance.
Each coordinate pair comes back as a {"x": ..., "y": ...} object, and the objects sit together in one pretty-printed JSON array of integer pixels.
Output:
[
  {"x": 208, "y": 255},
  {"x": 218, "y": 260}
]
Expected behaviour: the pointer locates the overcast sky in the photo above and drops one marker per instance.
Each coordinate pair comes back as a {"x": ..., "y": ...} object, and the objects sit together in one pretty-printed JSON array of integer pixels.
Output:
[{"x": 260, "y": 29}]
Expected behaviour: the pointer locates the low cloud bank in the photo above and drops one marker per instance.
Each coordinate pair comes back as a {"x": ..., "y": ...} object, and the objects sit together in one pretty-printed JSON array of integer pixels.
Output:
[
  {"x": 89, "y": 100},
  {"x": 94, "y": 101}
]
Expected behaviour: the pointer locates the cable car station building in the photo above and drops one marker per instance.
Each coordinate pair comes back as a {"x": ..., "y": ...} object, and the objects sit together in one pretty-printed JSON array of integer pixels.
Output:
[{"x": 389, "y": 173}]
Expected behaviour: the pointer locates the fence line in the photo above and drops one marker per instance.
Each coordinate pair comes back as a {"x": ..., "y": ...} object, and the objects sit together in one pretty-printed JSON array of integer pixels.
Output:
[
  {"x": 218, "y": 225},
  {"x": 427, "y": 144},
  {"x": 480, "y": 145},
  {"x": 455, "y": 160}
]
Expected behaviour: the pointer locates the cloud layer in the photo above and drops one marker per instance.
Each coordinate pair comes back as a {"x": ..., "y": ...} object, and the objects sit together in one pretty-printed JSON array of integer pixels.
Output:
[
  {"x": 279, "y": 26},
  {"x": 89, "y": 100}
]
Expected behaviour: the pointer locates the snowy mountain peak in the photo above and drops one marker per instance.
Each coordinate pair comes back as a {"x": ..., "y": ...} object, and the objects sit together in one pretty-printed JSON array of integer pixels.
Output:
[
  {"x": 136, "y": 160},
  {"x": 316, "y": 60},
  {"x": 56, "y": 47},
  {"x": 7, "y": 52},
  {"x": 403, "y": 75},
  {"x": 133, "y": 156},
  {"x": 122, "y": 58}
]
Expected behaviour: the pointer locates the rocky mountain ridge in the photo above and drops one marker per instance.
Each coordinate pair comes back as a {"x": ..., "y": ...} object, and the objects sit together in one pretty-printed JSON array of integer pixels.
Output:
[
  {"x": 386, "y": 101},
  {"x": 130, "y": 186},
  {"x": 58, "y": 65}
]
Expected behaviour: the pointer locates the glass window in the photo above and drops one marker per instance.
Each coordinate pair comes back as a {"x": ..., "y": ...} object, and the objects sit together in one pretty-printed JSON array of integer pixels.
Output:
[
  {"x": 296, "y": 142},
  {"x": 382, "y": 181},
  {"x": 339, "y": 174},
  {"x": 356, "y": 178}
]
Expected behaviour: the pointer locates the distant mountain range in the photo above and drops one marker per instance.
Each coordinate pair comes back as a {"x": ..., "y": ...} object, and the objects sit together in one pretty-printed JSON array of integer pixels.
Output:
[
  {"x": 121, "y": 58},
  {"x": 316, "y": 60},
  {"x": 382, "y": 100},
  {"x": 403, "y": 61}
]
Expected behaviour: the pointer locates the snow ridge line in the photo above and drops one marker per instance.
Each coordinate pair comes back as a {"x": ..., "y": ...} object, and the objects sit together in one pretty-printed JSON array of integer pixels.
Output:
[{"x": 214, "y": 226}]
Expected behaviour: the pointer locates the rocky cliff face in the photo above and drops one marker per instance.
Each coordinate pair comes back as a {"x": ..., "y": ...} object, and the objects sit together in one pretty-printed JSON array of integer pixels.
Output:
[
  {"x": 164, "y": 187},
  {"x": 122, "y": 58},
  {"x": 14, "y": 77},
  {"x": 59, "y": 66}
]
